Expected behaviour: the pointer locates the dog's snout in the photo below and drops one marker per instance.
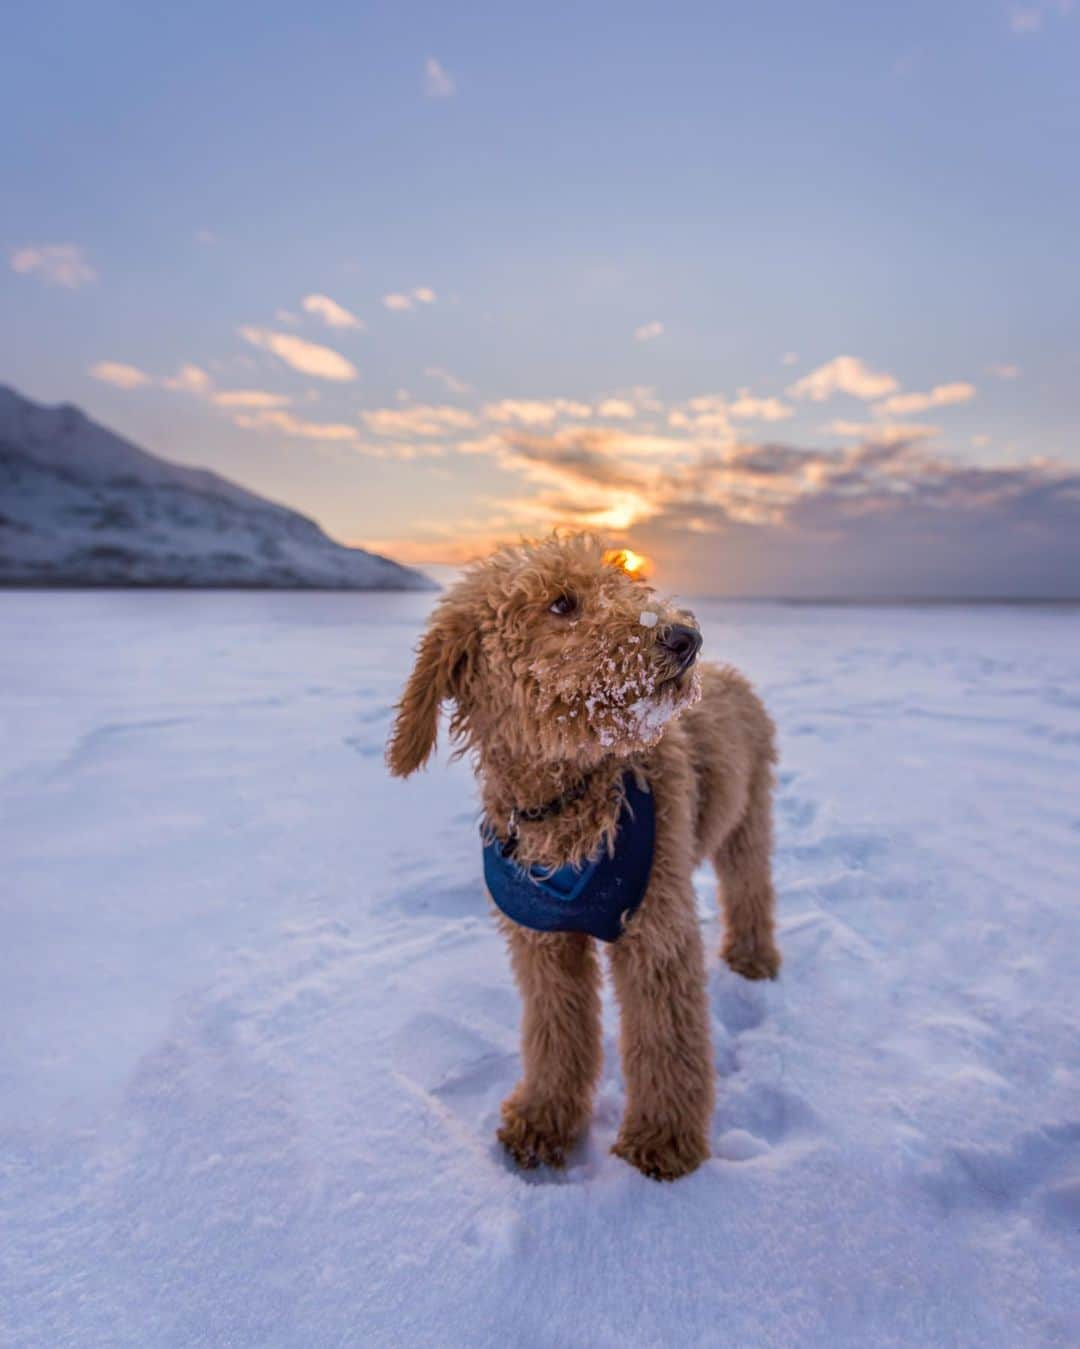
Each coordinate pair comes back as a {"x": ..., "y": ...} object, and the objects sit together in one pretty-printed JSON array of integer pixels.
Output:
[{"x": 683, "y": 642}]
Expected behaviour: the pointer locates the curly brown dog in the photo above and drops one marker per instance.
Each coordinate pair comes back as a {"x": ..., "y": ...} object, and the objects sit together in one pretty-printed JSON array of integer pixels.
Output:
[{"x": 566, "y": 674}]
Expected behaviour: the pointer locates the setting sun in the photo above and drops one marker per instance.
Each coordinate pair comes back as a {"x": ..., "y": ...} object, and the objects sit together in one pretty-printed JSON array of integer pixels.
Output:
[{"x": 629, "y": 561}]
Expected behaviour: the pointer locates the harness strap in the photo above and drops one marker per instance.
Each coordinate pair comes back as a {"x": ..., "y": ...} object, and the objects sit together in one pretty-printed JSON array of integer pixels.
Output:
[{"x": 533, "y": 814}]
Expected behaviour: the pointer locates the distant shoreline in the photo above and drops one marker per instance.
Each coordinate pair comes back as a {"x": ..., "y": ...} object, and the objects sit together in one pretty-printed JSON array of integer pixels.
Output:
[
  {"x": 825, "y": 601},
  {"x": 914, "y": 601},
  {"x": 210, "y": 588}
]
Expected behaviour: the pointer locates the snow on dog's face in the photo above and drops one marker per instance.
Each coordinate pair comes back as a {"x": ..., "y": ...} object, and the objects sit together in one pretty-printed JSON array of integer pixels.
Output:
[{"x": 550, "y": 650}]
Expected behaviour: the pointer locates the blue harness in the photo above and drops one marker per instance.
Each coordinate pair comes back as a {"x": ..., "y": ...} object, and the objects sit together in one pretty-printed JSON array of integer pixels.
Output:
[{"x": 596, "y": 897}]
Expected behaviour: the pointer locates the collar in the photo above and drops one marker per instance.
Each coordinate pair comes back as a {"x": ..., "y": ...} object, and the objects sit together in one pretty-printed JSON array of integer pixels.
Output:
[{"x": 533, "y": 814}]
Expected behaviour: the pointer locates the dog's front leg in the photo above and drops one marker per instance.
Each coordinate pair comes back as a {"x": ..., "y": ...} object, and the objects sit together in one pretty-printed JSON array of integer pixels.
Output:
[
  {"x": 559, "y": 978},
  {"x": 659, "y": 971}
]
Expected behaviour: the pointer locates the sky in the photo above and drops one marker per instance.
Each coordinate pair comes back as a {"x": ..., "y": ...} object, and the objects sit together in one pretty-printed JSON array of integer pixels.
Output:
[{"x": 784, "y": 296}]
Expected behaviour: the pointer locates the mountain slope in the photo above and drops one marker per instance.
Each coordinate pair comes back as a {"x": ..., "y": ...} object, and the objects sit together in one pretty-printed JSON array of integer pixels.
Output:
[{"x": 80, "y": 505}]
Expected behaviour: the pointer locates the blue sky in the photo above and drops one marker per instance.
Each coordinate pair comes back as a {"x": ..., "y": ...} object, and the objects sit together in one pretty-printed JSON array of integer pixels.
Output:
[{"x": 602, "y": 223}]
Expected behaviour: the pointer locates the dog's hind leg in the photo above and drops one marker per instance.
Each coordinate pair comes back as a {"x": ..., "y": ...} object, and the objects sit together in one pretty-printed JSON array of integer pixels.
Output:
[
  {"x": 744, "y": 868},
  {"x": 659, "y": 971},
  {"x": 559, "y": 978}
]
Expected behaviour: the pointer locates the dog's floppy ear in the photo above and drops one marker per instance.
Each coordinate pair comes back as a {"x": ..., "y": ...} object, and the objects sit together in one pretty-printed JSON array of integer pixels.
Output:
[{"x": 443, "y": 662}]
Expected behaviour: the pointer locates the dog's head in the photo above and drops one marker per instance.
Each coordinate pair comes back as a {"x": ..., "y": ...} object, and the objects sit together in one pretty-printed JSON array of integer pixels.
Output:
[{"x": 551, "y": 650}]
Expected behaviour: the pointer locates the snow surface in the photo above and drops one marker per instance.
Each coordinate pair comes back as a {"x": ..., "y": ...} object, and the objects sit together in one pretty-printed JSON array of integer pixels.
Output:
[
  {"x": 79, "y": 505},
  {"x": 257, "y": 1022}
]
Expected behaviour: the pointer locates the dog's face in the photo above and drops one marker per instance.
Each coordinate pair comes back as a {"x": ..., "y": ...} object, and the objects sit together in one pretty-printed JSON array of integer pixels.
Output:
[{"x": 551, "y": 650}]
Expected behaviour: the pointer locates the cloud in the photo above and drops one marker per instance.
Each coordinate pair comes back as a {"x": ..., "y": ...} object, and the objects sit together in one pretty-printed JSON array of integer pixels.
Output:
[
  {"x": 250, "y": 398},
  {"x": 56, "y": 264},
  {"x": 189, "y": 379},
  {"x": 493, "y": 444},
  {"x": 592, "y": 477},
  {"x": 707, "y": 414},
  {"x": 843, "y": 374},
  {"x": 332, "y": 314},
  {"x": 943, "y": 395},
  {"x": 884, "y": 515},
  {"x": 886, "y": 519},
  {"x": 643, "y": 396},
  {"x": 592, "y": 471},
  {"x": 399, "y": 301},
  {"x": 534, "y": 412},
  {"x": 120, "y": 375},
  {"x": 421, "y": 419},
  {"x": 647, "y": 331},
  {"x": 790, "y": 358},
  {"x": 611, "y": 446},
  {"x": 450, "y": 382},
  {"x": 1003, "y": 371},
  {"x": 759, "y": 409},
  {"x": 438, "y": 83},
  {"x": 894, "y": 526},
  {"x": 404, "y": 451},
  {"x": 193, "y": 379},
  {"x": 307, "y": 357},
  {"x": 268, "y": 420},
  {"x": 1025, "y": 20},
  {"x": 883, "y": 433},
  {"x": 617, "y": 407}
]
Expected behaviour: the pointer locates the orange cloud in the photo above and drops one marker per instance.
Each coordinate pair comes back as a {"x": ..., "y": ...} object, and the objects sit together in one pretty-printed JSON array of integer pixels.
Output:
[
  {"x": 942, "y": 395},
  {"x": 420, "y": 419},
  {"x": 118, "y": 374},
  {"x": 759, "y": 409},
  {"x": 534, "y": 412},
  {"x": 307, "y": 357},
  {"x": 269, "y": 420},
  {"x": 57, "y": 264},
  {"x": 332, "y": 314},
  {"x": 189, "y": 379},
  {"x": 250, "y": 398},
  {"x": 843, "y": 374},
  {"x": 883, "y": 432}
]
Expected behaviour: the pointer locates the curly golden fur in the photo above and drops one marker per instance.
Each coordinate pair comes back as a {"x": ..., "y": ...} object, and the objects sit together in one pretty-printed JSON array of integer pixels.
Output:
[{"x": 561, "y": 667}]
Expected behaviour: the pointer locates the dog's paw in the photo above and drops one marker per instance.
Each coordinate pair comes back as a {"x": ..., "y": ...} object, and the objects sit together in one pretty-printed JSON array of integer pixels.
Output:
[
  {"x": 660, "y": 1152},
  {"x": 535, "y": 1135},
  {"x": 752, "y": 959}
]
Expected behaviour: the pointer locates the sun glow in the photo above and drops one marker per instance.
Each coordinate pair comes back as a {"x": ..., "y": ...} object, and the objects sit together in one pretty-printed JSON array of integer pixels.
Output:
[{"x": 627, "y": 560}]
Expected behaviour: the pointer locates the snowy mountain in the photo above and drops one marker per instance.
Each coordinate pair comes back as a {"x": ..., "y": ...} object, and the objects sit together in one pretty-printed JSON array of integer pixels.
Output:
[{"x": 79, "y": 505}]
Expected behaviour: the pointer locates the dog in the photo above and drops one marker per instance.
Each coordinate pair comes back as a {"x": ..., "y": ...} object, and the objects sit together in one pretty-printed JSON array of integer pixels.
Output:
[{"x": 579, "y": 695}]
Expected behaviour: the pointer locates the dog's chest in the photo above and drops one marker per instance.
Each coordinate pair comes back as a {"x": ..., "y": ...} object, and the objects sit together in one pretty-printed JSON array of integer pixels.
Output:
[{"x": 598, "y": 897}]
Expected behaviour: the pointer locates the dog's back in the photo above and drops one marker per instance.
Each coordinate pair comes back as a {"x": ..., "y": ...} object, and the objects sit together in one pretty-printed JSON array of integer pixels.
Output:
[{"x": 731, "y": 741}]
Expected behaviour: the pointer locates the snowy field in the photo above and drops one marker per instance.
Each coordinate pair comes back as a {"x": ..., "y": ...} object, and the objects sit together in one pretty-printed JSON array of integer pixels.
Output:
[{"x": 256, "y": 1022}]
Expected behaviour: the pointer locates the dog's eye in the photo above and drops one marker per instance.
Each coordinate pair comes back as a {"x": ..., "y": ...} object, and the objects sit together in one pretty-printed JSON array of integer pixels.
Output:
[{"x": 564, "y": 606}]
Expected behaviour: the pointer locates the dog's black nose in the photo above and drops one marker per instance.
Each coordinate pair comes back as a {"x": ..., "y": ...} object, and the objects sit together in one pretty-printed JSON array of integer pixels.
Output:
[{"x": 684, "y": 643}]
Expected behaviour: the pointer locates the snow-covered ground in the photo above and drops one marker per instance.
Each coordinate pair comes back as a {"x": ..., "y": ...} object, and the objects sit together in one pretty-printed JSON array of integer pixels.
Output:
[{"x": 256, "y": 1022}]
